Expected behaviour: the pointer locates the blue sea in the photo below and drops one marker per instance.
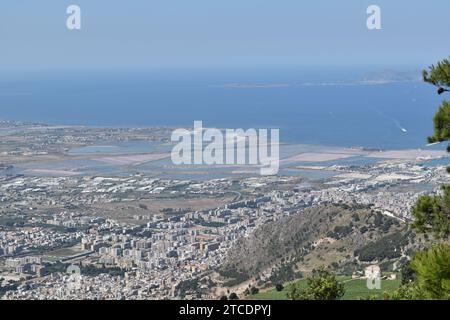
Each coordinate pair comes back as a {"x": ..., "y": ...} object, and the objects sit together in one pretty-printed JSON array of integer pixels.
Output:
[{"x": 320, "y": 107}]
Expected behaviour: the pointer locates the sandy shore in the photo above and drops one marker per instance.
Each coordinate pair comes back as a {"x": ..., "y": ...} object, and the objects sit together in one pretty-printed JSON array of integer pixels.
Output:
[
  {"x": 410, "y": 154},
  {"x": 51, "y": 172},
  {"x": 317, "y": 157},
  {"x": 133, "y": 159}
]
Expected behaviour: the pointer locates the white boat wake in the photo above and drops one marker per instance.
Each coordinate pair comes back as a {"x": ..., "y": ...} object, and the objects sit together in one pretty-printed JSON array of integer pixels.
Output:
[{"x": 396, "y": 122}]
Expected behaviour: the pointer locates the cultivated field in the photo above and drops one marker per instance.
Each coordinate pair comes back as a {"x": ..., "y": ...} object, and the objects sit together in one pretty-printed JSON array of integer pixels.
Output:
[{"x": 355, "y": 289}]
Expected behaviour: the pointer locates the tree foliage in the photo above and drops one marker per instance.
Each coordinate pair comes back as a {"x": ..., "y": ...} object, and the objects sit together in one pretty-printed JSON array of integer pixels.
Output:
[
  {"x": 432, "y": 213},
  {"x": 433, "y": 271},
  {"x": 388, "y": 247},
  {"x": 432, "y": 276},
  {"x": 441, "y": 124},
  {"x": 233, "y": 296},
  {"x": 439, "y": 74},
  {"x": 408, "y": 274},
  {"x": 430, "y": 269},
  {"x": 322, "y": 285},
  {"x": 409, "y": 291}
]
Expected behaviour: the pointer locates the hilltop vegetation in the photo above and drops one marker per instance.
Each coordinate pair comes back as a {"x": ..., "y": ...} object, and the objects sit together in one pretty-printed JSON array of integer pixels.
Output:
[{"x": 345, "y": 239}]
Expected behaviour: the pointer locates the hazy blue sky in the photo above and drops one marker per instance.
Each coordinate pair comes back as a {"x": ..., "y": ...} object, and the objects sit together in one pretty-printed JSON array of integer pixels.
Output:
[{"x": 221, "y": 33}]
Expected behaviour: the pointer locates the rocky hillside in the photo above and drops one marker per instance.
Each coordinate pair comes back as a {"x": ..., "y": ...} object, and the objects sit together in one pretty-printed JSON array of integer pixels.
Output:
[{"x": 343, "y": 238}]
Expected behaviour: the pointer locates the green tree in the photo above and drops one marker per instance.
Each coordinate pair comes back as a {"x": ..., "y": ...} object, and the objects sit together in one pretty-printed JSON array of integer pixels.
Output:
[
  {"x": 431, "y": 267},
  {"x": 322, "y": 285},
  {"x": 441, "y": 123},
  {"x": 439, "y": 75},
  {"x": 432, "y": 213},
  {"x": 433, "y": 271},
  {"x": 432, "y": 276},
  {"x": 233, "y": 296},
  {"x": 408, "y": 274},
  {"x": 254, "y": 290},
  {"x": 408, "y": 291}
]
